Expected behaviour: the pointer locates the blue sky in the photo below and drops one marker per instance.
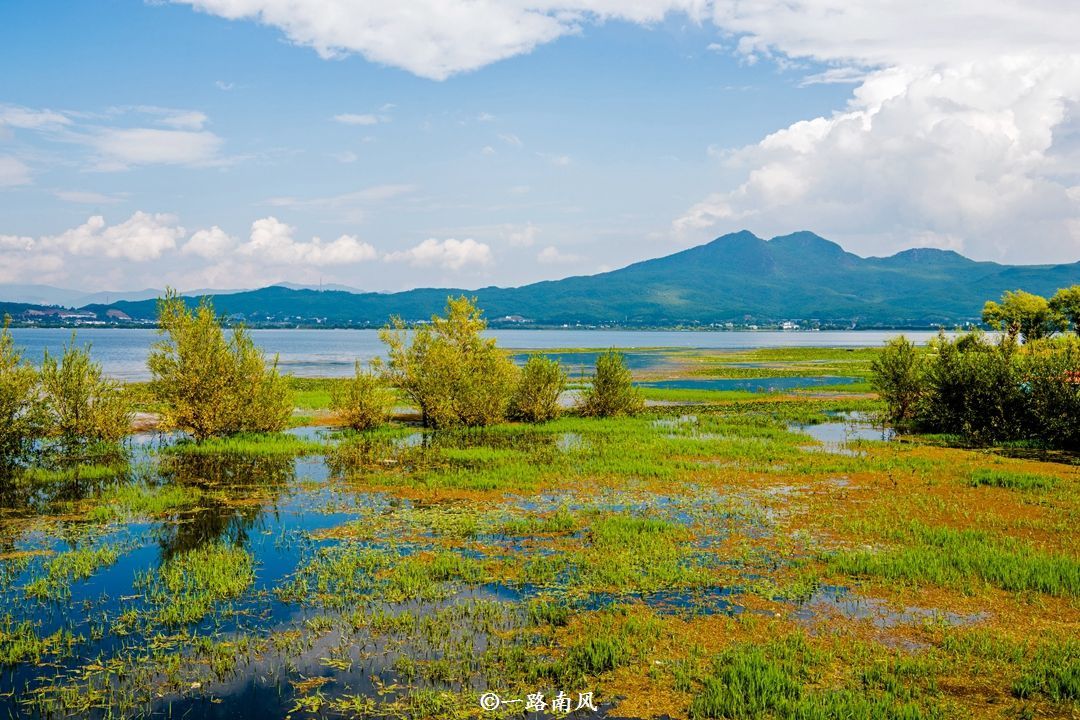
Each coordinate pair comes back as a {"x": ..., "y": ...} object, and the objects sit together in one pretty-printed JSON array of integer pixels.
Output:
[{"x": 207, "y": 143}]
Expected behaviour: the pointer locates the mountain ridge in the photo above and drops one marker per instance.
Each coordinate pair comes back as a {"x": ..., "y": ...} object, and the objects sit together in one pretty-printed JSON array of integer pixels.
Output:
[{"x": 738, "y": 278}]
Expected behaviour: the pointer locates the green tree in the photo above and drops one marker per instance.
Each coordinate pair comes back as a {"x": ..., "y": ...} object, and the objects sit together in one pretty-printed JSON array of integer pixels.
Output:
[
  {"x": 536, "y": 398},
  {"x": 363, "y": 402},
  {"x": 22, "y": 415},
  {"x": 612, "y": 391},
  {"x": 209, "y": 384},
  {"x": 448, "y": 369},
  {"x": 1066, "y": 303},
  {"x": 897, "y": 377},
  {"x": 82, "y": 405},
  {"x": 1022, "y": 315}
]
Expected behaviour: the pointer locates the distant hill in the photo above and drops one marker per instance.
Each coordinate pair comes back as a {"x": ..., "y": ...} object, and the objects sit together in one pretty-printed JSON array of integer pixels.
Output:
[{"x": 738, "y": 278}]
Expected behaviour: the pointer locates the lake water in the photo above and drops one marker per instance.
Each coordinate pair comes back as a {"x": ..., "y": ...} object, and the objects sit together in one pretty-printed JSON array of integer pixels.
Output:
[{"x": 331, "y": 353}]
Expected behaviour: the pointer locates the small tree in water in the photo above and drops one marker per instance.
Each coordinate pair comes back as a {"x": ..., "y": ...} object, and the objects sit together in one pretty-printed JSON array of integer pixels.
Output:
[
  {"x": 81, "y": 404},
  {"x": 22, "y": 415},
  {"x": 536, "y": 398},
  {"x": 897, "y": 376},
  {"x": 363, "y": 402},
  {"x": 451, "y": 372},
  {"x": 211, "y": 385},
  {"x": 612, "y": 391}
]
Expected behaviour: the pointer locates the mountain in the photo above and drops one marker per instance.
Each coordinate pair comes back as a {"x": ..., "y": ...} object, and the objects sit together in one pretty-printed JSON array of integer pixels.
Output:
[
  {"x": 738, "y": 278},
  {"x": 48, "y": 295}
]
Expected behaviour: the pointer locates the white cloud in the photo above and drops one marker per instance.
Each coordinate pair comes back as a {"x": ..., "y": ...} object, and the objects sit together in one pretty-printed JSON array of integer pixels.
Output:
[
  {"x": 185, "y": 120},
  {"x": 13, "y": 172},
  {"x": 272, "y": 241},
  {"x": 551, "y": 255},
  {"x": 212, "y": 243},
  {"x": 450, "y": 254},
  {"x": 521, "y": 235},
  {"x": 487, "y": 150},
  {"x": 140, "y": 238},
  {"x": 30, "y": 119},
  {"x": 970, "y": 153},
  {"x": 437, "y": 38},
  {"x": 120, "y": 148},
  {"x": 84, "y": 197},
  {"x": 353, "y": 119}
]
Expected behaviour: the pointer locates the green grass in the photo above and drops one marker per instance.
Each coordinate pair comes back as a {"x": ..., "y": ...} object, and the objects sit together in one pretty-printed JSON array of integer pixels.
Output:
[
  {"x": 1011, "y": 480},
  {"x": 252, "y": 445},
  {"x": 1053, "y": 673},
  {"x": 20, "y": 643},
  {"x": 71, "y": 566},
  {"x": 188, "y": 586},
  {"x": 143, "y": 500},
  {"x": 960, "y": 558},
  {"x": 748, "y": 682}
]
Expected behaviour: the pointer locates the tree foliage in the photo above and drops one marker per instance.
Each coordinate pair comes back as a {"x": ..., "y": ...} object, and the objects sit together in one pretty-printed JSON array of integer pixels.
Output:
[
  {"x": 897, "y": 377},
  {"x": 536, "y": 398},
  {"x": 611, "y": 391},
  {"x": 363, "y": 402},
  {"x": 1066, "y": 303},
  {"x": 209, "y": 384},
  {"x": 22, "y": 415},
  {"x": 82, "y": 405},
  {"x": 1022, "y": 315},
  {"x": 448, "y": 369}
]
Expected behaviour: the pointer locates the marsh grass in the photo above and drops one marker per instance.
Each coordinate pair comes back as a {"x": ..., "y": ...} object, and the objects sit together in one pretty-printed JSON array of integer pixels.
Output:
[
  {"x": 251, "y": 445},
  {"x": 1011, "y": 480},
  {"x": 188, "y": 585},
  {"x": 959, "y": 558},
  {"x": 71, "y": 566}
]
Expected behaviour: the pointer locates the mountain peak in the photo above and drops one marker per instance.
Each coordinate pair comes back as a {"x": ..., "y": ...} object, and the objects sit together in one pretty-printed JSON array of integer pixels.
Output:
[{"x": 806, "y": 240}]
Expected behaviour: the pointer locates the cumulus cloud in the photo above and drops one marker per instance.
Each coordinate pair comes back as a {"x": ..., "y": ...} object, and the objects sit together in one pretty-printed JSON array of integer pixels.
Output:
[
  {"x": 211, "y": 243},
  {"x": 13, "y": 172},
  {"x": 272, "y": 241},
  {"x": 140, "y": 238},
  {"x": 961, "y": 124},
  {"x": 437, "y": 38},
  {"x": 450, "y": 254},
  {"x": 551, "y": 255},
  {"x": 154, "y": 250}
]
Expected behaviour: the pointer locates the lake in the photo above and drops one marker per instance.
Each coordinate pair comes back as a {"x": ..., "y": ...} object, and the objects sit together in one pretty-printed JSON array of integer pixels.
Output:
[{"x": 332, "y": 353}]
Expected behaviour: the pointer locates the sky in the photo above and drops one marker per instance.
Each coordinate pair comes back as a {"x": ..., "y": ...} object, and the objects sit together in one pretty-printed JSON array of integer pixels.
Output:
[{"x": 388, "y": 145}]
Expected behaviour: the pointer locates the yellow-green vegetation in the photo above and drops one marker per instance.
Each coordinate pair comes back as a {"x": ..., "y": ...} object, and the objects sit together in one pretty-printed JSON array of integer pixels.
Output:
[
  {"x": 611, "y": 391},
  {"x": 536, "y": 397},
  {"x": 362, "y": 402},
  {"x": 208, "y": 384},
  {"x": 448, "y": 370},
  {"x": 22, "y": 416},
  {"x": 188, "y": 586},
  {"x": 735, "y": 555},
  {"x": 82, "y": 405}
]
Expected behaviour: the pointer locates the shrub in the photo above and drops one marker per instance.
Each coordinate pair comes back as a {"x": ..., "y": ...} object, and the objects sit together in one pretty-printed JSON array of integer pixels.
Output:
[
  {"x": 973, "y": 388},
  {"x": 82, "y": 405},
  {"x": 897, "y": 378},
  {"x": 363, "y": 402},
  {"x": 1051, "y": 384},
  {"x": 612, "y": 391},
  {"x": 536, "y": 398},
  {"x": 21, "y": 411},
  {"x": 451, "y": 372},
  {"x": 211, "y": 385}
]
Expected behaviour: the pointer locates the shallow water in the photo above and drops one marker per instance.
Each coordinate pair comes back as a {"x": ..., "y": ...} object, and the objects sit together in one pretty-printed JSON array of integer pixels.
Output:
[
  {"x": 332, "y": 353},
  {"x": 760, "y": 385}
]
